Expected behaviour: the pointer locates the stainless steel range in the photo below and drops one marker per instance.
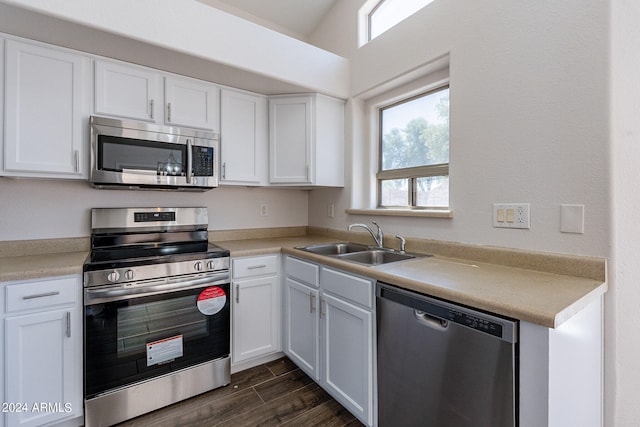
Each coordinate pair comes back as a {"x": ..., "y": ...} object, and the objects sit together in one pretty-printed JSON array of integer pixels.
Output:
[{"x": 157, "y": 312}]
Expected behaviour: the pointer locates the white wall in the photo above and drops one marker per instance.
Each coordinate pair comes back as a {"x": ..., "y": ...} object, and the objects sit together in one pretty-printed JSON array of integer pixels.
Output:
[
  {"x": 529, "y": 106},
  {"x": 39, "y": 209},
  {"x": 623, "y": 346}
]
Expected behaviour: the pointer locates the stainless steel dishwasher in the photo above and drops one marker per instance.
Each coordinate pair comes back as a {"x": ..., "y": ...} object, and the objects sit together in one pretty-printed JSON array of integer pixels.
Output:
[{"x": 441, "y": 364}]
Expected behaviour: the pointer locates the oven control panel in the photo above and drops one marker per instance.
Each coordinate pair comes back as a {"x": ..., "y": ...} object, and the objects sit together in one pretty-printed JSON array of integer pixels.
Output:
[{"x": 155, "y": 271}]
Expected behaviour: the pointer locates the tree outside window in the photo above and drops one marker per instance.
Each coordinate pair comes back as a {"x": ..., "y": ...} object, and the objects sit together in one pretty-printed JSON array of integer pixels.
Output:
[{"x": 414, "y": 152}]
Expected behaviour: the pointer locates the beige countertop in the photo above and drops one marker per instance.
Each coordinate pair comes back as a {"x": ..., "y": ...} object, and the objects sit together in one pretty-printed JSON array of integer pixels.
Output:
[
  {"x": 42, "y": 265},
  {"x": 542, "y": 298},
  {"x": 546, "y": 299}
]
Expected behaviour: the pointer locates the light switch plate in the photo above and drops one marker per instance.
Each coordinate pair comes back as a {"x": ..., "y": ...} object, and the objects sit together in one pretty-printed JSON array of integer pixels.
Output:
[
  {"x": 572, "y": 219},
  {"x": 512, "y": 215}
]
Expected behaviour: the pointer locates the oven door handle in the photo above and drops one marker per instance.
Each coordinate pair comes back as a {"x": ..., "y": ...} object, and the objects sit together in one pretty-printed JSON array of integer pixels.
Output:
[{"x": 104, "y": 294}]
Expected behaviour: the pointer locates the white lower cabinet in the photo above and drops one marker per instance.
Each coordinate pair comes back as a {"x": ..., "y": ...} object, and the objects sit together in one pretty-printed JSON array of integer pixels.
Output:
[
  {"x": 42, "y": 350},
  {"x": 255, "y": 309},
  {"x": 302, "y": 326},
  {"x": 329, "y": 332}
]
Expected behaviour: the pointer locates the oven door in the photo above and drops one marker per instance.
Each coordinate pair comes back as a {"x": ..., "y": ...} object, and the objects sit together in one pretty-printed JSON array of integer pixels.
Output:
[{"x": 137, "y": 336}]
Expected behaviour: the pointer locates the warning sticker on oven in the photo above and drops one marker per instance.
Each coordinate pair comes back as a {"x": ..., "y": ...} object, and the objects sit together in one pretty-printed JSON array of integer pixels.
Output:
[
  {"x": 164, "y": 350},
  {"x": 211, "y": 300}
]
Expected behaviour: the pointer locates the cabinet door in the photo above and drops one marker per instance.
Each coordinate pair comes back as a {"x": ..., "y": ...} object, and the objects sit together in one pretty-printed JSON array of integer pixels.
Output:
[
  {"x": 46, "y": 112},
  {"x": 192, "y": 103},
  {"x": 43, "y": 366},
  {"x": 301, "y": 326},
  {"x": 256, "y": 319},
  {"x": 128, "y": 91},
  {"x": 290, "y": 139},
  {"x": 348, "y": 355},
  {"x": 243, "y": 138}
]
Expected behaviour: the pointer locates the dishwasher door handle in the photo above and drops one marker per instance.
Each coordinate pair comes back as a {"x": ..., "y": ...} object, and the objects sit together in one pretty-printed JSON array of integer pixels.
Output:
[{"x": 431, "y": 321}]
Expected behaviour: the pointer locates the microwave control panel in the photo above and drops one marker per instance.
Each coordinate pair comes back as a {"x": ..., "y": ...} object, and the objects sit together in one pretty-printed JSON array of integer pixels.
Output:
[{"x": 202, "y": 161}]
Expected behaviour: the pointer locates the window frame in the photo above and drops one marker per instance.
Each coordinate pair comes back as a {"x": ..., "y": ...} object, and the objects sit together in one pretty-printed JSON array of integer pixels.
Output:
[{"x": 412, "y": 174}]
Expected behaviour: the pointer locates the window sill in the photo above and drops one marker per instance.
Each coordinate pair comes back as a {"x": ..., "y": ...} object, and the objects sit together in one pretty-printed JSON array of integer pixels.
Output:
[{"x": 421, "y": 213}]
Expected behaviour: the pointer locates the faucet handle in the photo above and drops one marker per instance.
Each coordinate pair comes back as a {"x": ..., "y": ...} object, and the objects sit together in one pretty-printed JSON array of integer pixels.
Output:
[{"x": 403, "y": 242}]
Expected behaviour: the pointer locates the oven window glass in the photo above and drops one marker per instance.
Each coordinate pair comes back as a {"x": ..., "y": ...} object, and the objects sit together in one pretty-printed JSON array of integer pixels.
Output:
[
  {"x": 118, "y": 335},
  {"x": 157, "y": 320},
  {"x": 160, "y": 158}
]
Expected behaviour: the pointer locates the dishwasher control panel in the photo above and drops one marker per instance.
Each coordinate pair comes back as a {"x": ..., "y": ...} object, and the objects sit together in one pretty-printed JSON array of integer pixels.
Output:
[
  {"x": 443, "y": 312},
  {"x": 476, "y": 322}
]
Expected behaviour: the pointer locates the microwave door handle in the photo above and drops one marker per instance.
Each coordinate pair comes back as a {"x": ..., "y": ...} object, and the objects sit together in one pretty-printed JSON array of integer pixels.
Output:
[{"x": 189, "y": 160}]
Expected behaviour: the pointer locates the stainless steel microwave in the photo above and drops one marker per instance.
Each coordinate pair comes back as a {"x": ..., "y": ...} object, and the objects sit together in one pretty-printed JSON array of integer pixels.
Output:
[{"x": 135, "y": 155}]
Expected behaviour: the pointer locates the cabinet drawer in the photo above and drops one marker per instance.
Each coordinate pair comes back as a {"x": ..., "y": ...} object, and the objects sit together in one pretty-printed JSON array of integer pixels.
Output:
[
  {"x": 41, "y": 294},
  {"x": 255, "y": 266},
  {"x": 303, "y": 271},
  {"x": 353, "y": 288}
]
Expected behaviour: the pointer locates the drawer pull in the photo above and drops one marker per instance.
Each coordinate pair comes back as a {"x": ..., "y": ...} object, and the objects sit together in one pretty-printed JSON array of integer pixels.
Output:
[
  {"x": 255, "y": 267},
  {"x": 46, "y": 294}
]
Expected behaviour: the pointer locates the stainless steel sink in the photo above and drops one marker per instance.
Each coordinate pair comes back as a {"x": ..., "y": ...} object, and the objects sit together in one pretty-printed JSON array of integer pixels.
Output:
[
  {"x": 335, "y": 248},
  {"x": 361, "y": 254},
  {"x": 376, "y": 257}
]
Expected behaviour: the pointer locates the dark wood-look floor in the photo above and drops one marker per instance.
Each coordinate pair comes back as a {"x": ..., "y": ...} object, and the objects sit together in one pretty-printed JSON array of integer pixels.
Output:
[{"x": 273, "y": 394}]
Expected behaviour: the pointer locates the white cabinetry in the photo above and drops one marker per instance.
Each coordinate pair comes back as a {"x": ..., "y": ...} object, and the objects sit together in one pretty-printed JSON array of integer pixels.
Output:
[
  {"x": 329, "y": 330},
  {"x": 256, "y": 306},
  {"x": 42, "y": 350},
  {"x": 192, "y": 103},
  {"x": 306, "y": 140},
  {"x": 561, "y": 371},
  {"x": 243, "y": 136},
  {"x": 47, "y": 104},
  {"x": 133, "y": 92},
  {"x": 128, "y": 91}
]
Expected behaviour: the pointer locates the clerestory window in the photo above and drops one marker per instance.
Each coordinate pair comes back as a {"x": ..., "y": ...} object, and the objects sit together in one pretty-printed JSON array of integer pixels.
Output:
[{"x": 387, "y": 13}]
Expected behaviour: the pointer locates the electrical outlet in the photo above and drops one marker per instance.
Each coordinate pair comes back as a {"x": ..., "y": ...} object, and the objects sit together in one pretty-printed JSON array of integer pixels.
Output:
[
  {"x": 264, "y": 209},
  {"x": 331, "y": 210},
  {"x": 511, "y": 215}
]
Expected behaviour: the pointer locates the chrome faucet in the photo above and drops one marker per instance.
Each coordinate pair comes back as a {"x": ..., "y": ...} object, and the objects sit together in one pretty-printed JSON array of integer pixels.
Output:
[{"x": 377, "y": 236}]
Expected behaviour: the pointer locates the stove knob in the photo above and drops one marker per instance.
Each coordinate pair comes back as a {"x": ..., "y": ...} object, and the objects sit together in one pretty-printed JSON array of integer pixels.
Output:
[
  {"x": 114, "y": 276},
  {"x": 129, "y": 274},
  {"x": 211, "y": 265},
  {"x": 198, "y": 266}
]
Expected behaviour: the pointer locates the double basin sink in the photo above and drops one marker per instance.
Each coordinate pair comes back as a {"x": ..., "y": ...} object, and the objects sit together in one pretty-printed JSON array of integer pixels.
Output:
[{"x": 361, "y": 254}]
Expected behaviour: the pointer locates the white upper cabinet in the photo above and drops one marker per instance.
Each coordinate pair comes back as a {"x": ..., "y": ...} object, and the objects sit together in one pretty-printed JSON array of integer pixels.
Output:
[
  {"x": 192, "y": 103},
  {"x": 47, "y": 103},
  {"x": 243, "y": 138},
  {"x": 128, "y": 91},
  {"x": 139, "y": 93},
  {"x": 306, "y": 140}
]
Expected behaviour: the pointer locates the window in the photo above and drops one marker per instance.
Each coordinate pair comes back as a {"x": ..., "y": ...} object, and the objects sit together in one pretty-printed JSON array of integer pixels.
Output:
[
  {"x": 388, "y": 13},
  {"x": 414, "y": 152}
]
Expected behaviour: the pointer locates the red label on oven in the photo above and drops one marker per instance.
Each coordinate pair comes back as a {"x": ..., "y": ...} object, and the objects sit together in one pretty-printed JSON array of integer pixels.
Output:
[{"x": 211, "y": 300}]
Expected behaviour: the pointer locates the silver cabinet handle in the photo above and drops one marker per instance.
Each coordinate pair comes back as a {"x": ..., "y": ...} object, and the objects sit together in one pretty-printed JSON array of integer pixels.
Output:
[
  {"x": 237, "y": 294},
  {"x": 255, "y": 267},
  {"x": 77, "y": 158},
  {"x": 151, "y": 108},
  {"x": 168, "y": 111},
  {"x": 224, "y": 170},
  {"x": 322, "y": 303},
  {"x": 68, "y": 324},
  {"x": 189, "y": 161},
  {"x": 46, "y": 294},
  {"x": 312, "y": 302}
]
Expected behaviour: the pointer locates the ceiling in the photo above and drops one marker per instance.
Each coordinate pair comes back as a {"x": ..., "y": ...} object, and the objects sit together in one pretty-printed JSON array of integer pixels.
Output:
[{"x": 296, "y": 18}]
